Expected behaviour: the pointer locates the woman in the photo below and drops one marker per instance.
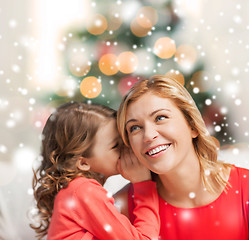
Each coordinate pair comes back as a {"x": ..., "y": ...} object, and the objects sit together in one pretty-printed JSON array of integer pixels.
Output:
[
  {"x": 199, "y": 196},
  {"x": 80, "y": 149}
]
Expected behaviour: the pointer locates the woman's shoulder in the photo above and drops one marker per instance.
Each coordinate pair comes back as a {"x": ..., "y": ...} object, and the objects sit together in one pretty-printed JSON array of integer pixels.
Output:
[
  {"x": 240, "y": 174},
  {"x": 240, "y": 171}
]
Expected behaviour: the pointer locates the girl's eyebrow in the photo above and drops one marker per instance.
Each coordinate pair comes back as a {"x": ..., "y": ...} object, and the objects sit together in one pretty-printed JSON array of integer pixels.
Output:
[{"x": 151, "y": 114}]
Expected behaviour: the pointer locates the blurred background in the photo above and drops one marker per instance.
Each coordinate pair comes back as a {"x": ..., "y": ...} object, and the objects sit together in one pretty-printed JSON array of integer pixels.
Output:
[{"x": 91, "y": 50}]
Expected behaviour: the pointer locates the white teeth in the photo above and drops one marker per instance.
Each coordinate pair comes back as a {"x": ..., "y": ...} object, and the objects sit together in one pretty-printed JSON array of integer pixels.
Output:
[{"x": 158, "y": 149}]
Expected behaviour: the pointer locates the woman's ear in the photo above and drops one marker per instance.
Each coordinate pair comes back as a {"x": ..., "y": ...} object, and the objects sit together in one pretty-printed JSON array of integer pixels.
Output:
[
  {"x": 82, "y": 164},
  {"x": 194, "y": 133}
]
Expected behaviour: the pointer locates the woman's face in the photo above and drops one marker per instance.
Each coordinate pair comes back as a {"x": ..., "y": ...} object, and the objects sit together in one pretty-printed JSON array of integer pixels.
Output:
[{"x": 159, "y": 134}]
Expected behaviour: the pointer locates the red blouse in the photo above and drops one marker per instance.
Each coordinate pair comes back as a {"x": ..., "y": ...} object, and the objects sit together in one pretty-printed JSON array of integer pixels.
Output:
[{"x": 227, "y": 218}]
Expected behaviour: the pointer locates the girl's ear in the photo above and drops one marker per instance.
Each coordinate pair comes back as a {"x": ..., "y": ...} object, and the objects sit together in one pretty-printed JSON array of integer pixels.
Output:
[{"x": 82, "y": 164}]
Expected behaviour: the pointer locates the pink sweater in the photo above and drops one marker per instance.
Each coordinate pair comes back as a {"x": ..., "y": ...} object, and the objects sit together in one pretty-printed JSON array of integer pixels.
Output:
[{"x": 85, "y": 211}]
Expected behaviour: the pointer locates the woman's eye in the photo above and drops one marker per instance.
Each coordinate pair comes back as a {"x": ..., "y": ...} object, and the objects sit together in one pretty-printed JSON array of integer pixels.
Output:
[
  {"x": 159, "y": 118},
  {"x": 133, "y": 128}
]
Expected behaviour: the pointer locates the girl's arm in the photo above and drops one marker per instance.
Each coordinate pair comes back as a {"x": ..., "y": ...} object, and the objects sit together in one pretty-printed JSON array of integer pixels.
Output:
[
  {"x": 98, "y": 215},
  {"x": 90, "y": 212}
]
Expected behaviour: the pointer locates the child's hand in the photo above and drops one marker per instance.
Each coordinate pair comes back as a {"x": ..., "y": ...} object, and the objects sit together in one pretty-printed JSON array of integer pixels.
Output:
[{"x": 130, "y": 167}]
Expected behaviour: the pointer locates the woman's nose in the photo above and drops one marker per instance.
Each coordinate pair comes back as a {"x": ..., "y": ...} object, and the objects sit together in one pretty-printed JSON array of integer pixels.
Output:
[{"x": 150, "y": 133}]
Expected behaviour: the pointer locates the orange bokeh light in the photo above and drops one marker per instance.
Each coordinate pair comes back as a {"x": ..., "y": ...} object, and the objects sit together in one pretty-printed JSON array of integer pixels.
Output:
[
  {"x": 108, "y": 64},
  {"x": 186, "y": 55},
  {"x": 97, "y": 24},
  {"x": 139, "y": 30},
  {"x": 127, "y": 62},
  {"x": 90, "y": 87},
  {"x": 178, "y": 76},
  {"x": 147, "y": 17},
  {"x": 165, "y": 47}
]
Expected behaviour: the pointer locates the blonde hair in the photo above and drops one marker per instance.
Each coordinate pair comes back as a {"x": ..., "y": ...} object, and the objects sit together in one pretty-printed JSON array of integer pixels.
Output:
[
  {"x": 212, "y": 171},
  {"x": 68, "y": 134}
]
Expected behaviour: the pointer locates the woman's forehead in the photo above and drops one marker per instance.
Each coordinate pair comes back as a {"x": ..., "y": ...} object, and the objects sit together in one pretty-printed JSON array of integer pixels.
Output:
[{"x": 148, "y": 103}]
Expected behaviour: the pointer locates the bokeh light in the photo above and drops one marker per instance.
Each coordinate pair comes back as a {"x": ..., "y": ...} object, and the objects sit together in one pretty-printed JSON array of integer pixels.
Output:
[
  {"x": 127, "y": 62},
  {"x": 139, "y": 30},
  {"x": 105, "y": 47},
  {"x": 97, "y": 24},
  {"x": 177, "y": 75},
  {"x": 186, "y": 56},
  {"x": 90, "y": 87},
  {"x": 147, "y": 17},
  {"x": 108, "y": 64},
  {"x": 126, "y": 83},
  {"x": 165, "y": 47}
]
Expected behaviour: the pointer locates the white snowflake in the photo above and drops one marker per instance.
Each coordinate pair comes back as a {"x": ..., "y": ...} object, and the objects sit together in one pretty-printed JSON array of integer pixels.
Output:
[{"x": 108, "y": 227}]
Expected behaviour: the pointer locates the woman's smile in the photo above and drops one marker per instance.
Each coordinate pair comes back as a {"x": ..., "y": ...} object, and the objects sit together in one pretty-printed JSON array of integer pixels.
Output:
[{"x": 157, "y": 150}]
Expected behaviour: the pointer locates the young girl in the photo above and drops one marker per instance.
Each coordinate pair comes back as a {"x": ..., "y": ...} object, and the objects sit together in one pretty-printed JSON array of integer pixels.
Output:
[
  {"x": 200, "y": 197},
  {"x": 80, "y": 149}
]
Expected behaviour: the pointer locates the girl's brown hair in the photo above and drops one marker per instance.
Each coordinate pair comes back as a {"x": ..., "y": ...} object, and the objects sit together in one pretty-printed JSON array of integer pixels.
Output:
[
  {"x": 68, "y": 134},
  {"x": 212, "y": 171}
]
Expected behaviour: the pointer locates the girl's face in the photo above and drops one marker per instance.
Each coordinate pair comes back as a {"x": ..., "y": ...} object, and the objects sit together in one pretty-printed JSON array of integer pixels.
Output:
[
  {"x": 159, "y": 134},
  {"x": 106, "y": 150}
]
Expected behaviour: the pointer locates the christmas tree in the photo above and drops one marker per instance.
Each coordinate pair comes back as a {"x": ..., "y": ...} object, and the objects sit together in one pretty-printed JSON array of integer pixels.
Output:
[{"x": 125, "y": 41}]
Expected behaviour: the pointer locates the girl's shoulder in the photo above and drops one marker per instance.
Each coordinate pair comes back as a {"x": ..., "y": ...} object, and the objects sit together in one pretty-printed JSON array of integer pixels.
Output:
[
  {"x": 80, "y": 185},
  {"x": 87, "y": 184},
  {"x": 83, "y": 180}
]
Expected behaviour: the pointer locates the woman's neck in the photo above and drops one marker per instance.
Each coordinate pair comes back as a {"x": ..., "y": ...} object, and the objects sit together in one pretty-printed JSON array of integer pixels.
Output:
[{"x": 183, "y": 187}]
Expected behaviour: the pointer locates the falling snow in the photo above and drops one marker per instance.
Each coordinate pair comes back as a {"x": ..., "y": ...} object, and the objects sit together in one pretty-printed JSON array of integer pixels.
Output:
[
  {"x": 192, "y": 195},
  {"x": 107, "y": 227},
  {"x": 32, "y": 72}
]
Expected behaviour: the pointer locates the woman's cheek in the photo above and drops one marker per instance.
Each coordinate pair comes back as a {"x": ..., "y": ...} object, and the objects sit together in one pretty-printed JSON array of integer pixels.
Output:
[{"x": 134, "y": 144}]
